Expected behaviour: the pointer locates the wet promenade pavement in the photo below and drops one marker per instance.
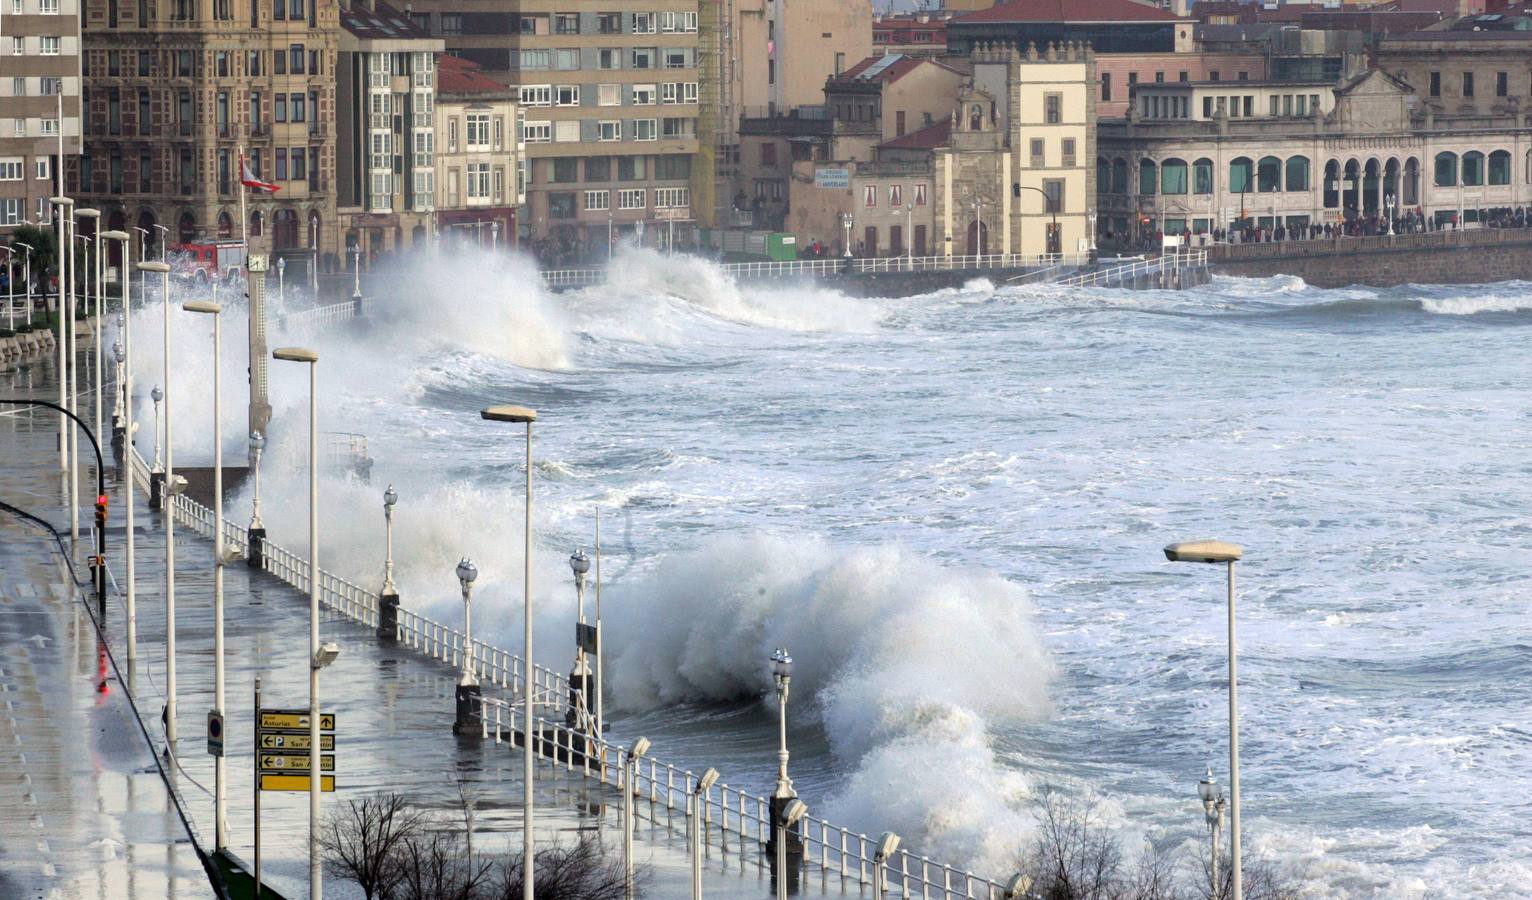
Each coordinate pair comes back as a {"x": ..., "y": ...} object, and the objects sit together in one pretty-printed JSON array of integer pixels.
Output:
[{"x": 95, "y": 818}]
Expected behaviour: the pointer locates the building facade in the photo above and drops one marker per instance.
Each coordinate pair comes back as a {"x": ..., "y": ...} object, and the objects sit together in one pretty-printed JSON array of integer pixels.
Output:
[
  {"x": 177, "y": 89},
  {"x": 480, "y": 176},
  {"x": 39, "y": 66},
  {"x": 1364, "y": 151},
  {"x": 385, "y": 130}
]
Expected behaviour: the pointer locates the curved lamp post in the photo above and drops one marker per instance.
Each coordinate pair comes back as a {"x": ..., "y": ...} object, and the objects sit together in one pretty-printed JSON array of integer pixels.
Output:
[
  {"x": 697, "y": 812},
  {"x": 125, "y": 379},
  {"x": 1221, "y": 552},
  {"x": 629, "y": 789},
  {"x": 467, "y": 686}
]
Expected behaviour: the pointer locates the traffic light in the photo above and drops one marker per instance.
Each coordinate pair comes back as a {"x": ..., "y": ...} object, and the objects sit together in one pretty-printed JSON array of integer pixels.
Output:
[{"x": 101, "y": 504}]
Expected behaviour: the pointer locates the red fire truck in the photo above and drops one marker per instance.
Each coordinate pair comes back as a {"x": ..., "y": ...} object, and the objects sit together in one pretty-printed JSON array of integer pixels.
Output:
[{"x": 204, "y": 261}]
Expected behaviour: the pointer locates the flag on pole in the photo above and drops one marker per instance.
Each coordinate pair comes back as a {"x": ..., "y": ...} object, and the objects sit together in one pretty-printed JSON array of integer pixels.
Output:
[{"x": 248, "y": 179}]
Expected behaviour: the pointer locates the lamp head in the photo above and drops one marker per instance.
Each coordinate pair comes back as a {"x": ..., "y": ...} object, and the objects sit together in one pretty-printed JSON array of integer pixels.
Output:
[
  {"x": 1018, "y": 886},
  {"x": 888, "y": 844},
  {"x": 281, "y": 263},
  {"x": 257, "y": 440},
  {"x": 708, "y": 779},
  {"x": 509, "y": 414},
  {"x": 157, "y": 395},
  {"x": 390, "y": 497},
  {"x": 1208, "y": 789},
  {"x": 202, "y": 306},
  {"x": 781, "y": 664},
  {"x": 153, "y": 266},
  {"x": 793, "y": 811},
  {"x": 61, "y": 201},
  {"x": 639, "y": 748},
  {"x": 295, "y": 354},
  {"x": 117, "y": 352},
  {"x": 115, "y": 235},
  {"x": 88, "y": 213},
  {"x": 579, "y": 563},
  {"x": 467, "y": 572},
  {"x": 325, "y": 655},
  {"x": 1204, "y": 552}
]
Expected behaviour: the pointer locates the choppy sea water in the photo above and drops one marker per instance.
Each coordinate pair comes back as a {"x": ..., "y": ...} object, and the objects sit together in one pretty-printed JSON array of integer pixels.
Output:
[{"x": 951, "y": 509}]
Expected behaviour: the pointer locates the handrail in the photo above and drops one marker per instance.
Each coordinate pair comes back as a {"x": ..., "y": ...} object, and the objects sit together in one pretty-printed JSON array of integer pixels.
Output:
[
  {"x": 1192, "y": 259},
  {"x": 563, "y": 278}
]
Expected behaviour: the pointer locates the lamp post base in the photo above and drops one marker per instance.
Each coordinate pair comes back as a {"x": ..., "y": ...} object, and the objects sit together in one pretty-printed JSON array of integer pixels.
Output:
[
  {"x": 388, "y": 617},
  {"x": 256, "y": 557},
  {"x": 794, "y": 846},
  {"x": 467, "y": 699},
  {"x": 156, "y": 490}
]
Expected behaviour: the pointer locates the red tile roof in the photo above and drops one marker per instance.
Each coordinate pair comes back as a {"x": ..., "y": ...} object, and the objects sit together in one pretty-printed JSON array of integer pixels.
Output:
[
  {"x": 455, "y": 75},
  {"x": 1069, "y": 11},
  {"x": 927, "y": 138},
  {"x": 900, "y": 66}
]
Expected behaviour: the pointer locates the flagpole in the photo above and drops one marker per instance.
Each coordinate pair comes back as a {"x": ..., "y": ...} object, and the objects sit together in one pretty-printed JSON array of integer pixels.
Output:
[{"x": 244, "y": 219}]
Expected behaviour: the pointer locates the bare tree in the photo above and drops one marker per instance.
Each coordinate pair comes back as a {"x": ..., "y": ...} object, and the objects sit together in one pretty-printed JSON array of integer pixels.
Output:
[
  {"x": 434, "y": 866},
  {"x": 1074, "y": 857},
  {"x": 361, "y": 840},
  {"x": 581, "y": 871}
]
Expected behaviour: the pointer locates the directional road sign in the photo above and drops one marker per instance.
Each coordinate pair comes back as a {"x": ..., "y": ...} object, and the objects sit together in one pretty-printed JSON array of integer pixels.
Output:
[
  {"x": 293, "y": 740},
  {"x": 294, "y": 719},
  {"x": 276, "y": 761},
  {"x": 295, "y": 783}
]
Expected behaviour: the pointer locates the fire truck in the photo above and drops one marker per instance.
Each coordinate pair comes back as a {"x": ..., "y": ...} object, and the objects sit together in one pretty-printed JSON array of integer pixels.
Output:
[{"x": 205, "y": 261}]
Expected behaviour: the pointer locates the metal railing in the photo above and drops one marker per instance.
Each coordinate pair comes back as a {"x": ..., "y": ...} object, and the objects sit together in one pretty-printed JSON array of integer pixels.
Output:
[
  {"x": 731, "y": 819},
  {"x": 834, "y": 265},
  {"x": 1169, "y": 262},
  {"x": 320, "y": 316}
]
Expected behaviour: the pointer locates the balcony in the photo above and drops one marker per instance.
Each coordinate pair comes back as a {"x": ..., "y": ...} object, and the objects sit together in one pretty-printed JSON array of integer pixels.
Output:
[{"x": 800, "y": 121}]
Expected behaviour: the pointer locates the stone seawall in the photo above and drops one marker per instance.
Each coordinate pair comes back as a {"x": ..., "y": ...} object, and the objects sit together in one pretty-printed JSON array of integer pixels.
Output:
[{"x": 1442, "y": 257}]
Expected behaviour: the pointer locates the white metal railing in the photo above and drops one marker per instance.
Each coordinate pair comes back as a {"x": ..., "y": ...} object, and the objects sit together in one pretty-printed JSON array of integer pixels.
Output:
[
  {"x": 1169, "y": 262},
  {"x": 731, "y": 819},
  {"x": 562, "y": 278},
  {"x": 320, "y": 316}
]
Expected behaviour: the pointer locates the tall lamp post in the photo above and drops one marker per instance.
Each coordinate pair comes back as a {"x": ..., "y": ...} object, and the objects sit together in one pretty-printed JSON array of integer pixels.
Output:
[
  {"x": 390, "y": 497},
  {"x": 167, "y": 498},
  {"x": 1229, "y": 554},
  {"x": 629, "y": 789},
  {"x": 784, "y": 796},
  {"x": 164, "y": 238},
  {"x": 64, "y": 217},
  {"x": 523, "y": 415},
  {"x": 257, "y": 530},
  {"x": 157, "y": 394},
  {"x": 1212, "y": 810},
  {"x": 74, "y": 373},
  {"x": 846, "y": 221},
  {"x": 787, "y": 823},
  {"x": 10, "y": 286},
  {"x": 220, "y": 784},
  {"x": 579, "y": 679},
  {"x": 356, "y": 267},
  {"x": 698, "y": 798},
  {"x": 282, "y": 280},
  {"x": 467, "y": 686},
  {"x": 127, "y": 429},
  {"x": 319, "y": 658}
]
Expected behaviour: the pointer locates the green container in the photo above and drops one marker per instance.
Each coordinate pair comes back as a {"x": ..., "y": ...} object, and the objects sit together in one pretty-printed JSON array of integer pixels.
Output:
[{"x": 781, "y": 246}]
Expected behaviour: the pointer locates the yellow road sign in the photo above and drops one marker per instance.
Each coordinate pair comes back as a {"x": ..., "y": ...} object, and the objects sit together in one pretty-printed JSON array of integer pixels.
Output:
[
  {"x": 294, "y": 719},
  {"x": 295, "y": 783},
  {"x": 281, "y": 762},
  {"x": 281, "y": 740}
]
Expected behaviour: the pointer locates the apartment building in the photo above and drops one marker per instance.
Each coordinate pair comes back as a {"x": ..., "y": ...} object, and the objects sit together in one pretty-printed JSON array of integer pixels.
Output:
[
  {"x": 39, "y": 64},
  {"x": 175, "y": 91},
  {"x": 480, "y": 172},
  {"x": 610, "y": 98},
  {"x": 386, "y": 129}
]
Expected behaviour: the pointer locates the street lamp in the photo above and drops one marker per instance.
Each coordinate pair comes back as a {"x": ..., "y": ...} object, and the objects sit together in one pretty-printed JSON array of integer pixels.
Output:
[
  {"x": 282, "y": 280},
  {"x": 787, "y": 820},
  {"x": 579, "y": 679},
  {"x": 65, "y": 244},
  {"x": 167, "y": 490},
  {"x": 1090, "y": 218},
  {"x": 784, "y": 795},
  {"x": 28, "y": 276},
  {"x": 1212, "y": 810},
  {"x": 10, "y": 286},
  {"x": 257, "y": 530},
  {"x": 390, "y": 497},
  {"x": 909, "y": 233},
  {"x": 304, "y": 355},
  {"x": 126, "y": 379},
  {"x": 74, "y": 349},
  {"x": 164, "y": 238},
  {"x": 220, "y": 792},
  {"x": 888, "y": 845},
  {"x": 523, "y": 415},
  {"x": 846, "y": 221},
  {"x": 698, "y": 807},
  {"x": 629, "y": 788},
  {"x": 468, "y": 685},
  {"x": 1229, "y": 554},
  {"x": 356, "y": 269},
  {"x": 156, "y": 395},
  {"x": 1388, "y": 214}
]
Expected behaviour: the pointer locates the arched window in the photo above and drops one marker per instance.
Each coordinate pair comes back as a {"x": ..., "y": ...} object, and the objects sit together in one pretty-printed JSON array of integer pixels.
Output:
[
  {"x": 225, "y": 225},
  {"x": 186, "y": 227},
  {"x": 1202, "y": 176},
  {"x": 1173, "y": 176},
  {"x": 1268, "y": 175},
  {"x": 1146, "y": 177},
  {"x": 1119, "y": 176},
  {"x": 1298, "y": 173},
  {"x": 1332, "y": 185},
  {"x": 1473, "y": 168},
  {"x": 1103, "y": 175},
  {"x": 1446, "y": 169},
  {"x": 255, "y": 224},
  {"x": 284, "y": 224},
  {"x": 1500, "y": 167},
  {"x": 1411, "y": 181},
  {"x": 1241, "y": 171}
]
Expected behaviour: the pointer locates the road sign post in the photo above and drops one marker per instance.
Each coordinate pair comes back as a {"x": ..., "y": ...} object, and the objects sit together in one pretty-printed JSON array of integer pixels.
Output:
[
  {"x": 256, "y": 762},
  {"x": 214, "y": 733},
  {"x": 284, "y": 748}
]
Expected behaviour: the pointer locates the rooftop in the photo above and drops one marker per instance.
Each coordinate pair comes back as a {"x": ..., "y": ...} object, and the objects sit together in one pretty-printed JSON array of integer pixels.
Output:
[
  {"x": 885, "y": 69},
  {"x": 380, "y": 22},
  {"x": 1022, "y": 11},
  {"x": 928, "y": 138},
  {"x": 455, "y": 75}
]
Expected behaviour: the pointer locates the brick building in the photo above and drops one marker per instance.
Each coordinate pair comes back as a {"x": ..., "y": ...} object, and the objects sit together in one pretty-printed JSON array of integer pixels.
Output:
[{"x": 39, "y": 64}]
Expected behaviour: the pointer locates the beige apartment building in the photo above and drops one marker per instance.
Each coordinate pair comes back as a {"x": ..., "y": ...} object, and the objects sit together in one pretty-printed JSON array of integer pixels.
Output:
[
  {"x": 610, "y": 99},
  {"x": 385, "y": 130},
  {"x": 480, "y": 171},
  {"x": 178, "y": 88},
  {"x": 39, "y": 63}
]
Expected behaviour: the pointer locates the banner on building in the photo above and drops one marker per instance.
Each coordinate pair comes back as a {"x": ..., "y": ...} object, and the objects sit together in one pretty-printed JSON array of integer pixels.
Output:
[{"x": 832, "y": 178}]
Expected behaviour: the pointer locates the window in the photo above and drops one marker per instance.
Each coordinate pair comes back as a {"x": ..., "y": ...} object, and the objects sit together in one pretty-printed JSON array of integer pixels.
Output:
[
  {"x": 769, "y": 155},
  {"x": 645, "y": 130},
  {"x": 295, "y": 59},
  {"x": 564, "y": 170},
  {"x": 630, "y": 168},
  {"x": 452, "y": 23},
  {"x": 870, "y": 196},
  {"x": 478, "y": 131},
  {"x": 278, "y": 63},
  {"x": 499, "y": 132},
  {"x": 49, "y": 45},
  {"x": 566, "y": 60},
  {"x": 279, "y": 107},
  {"x": 609, "y": 130},
  {"x": 1268, "y": 175},
  {"x": 598, "y": 168},
  {"x": 672, "y": 198},
  {"x": 609, "y": 58},
  {"x": 643, "y": 95},
  {"x": 643, "y": 23},
  {"x": 1053, "y": 105},
  {"x": 1159, "y": 77},
  {"x": 1297, "y": 173},
  {"x": 1182, "y": 76},
  {"x": 1036, "y": 147},
  {"x": 1502, "y": 84},
  {"x": 609, "y": 23},
  {"x": 1202, "y": 176},
  {"x": 281, "y": 164},
  {"x": 1053, "y": 188},
  {"x": 1436, "y": 84},
  {"x": 12, "y": 169},
  {"x": 537, "y": 95},
  {"x": 641, "y": 58},
  {"x": 598, "y": 200},
  {"x": 1473, "y": 168},
  {"x": 566, "y": 23},
  {"x": 675, "y": 58},
  {"x": 1467, "y": 84},
  {"x": 673, "y": 168},
  {"x": 1500, "y": 167},
  {"x": 566, "y": 131},
  {"x": 12, "y": 210},
  {"x": 567, "y": 95},
  {"x": 672, "y": 127},
  {"x": 531, "y": 60},
  {"x": 608, "y": 95},
  {"x": 630, "y": 198},
  {"x": 184, "y": 108},
  {"x": 1173, "y": 176},
  {"x": 920, "y": 194},
  {"x": 48, "y": 7},
  {"x": 1068, "y": 153},
  {"x": 895, "y": 196},
  {"x": 478, "y": 181},
  {"x": 297, "y": 108},
  {"x": 538, "y": 132},
  {"x": 1106, "y": 86},
  {"x": 300, "y": 170}
]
